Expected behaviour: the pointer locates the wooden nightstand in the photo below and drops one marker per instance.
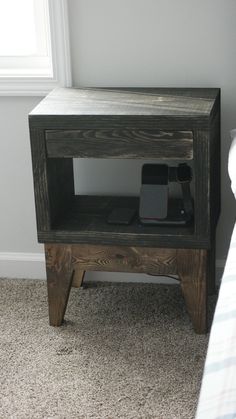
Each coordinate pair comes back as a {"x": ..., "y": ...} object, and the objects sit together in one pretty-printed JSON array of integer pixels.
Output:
[{"x": 148, "y": 123}]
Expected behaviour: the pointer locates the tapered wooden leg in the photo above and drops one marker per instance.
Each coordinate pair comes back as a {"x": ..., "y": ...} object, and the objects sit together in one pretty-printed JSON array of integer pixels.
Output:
[
  {"x": 59, "y": 279},
  {"x": 192, "y": 270},
  {"x": 78, "y": 278}
]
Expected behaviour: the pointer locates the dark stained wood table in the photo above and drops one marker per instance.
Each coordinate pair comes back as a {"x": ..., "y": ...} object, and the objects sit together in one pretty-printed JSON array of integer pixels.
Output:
[{"x": 166, "y": 124}]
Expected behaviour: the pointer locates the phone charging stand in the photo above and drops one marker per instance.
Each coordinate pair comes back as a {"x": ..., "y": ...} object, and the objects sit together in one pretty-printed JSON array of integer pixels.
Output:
[
  {"x": 156, "y": 207},
  {"x": 154, "y": 193}
]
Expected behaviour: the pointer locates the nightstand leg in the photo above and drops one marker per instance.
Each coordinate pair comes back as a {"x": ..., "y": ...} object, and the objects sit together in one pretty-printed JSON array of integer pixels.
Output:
[
  {"x": 59, "y": 280},
  {"x": 193, "y": 270},
  {"x": 78, "y": 278}
]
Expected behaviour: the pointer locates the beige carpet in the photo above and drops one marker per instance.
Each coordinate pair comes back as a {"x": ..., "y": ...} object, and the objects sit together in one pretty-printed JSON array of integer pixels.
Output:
[{"x": 125, "y": 351}]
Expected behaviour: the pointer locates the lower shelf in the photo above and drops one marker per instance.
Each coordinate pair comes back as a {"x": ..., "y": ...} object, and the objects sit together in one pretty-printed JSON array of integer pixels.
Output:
[{"x": 86, "y": 222}]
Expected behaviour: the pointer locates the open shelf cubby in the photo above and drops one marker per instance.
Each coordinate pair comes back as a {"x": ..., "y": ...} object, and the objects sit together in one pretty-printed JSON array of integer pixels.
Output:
[{"x": 85, "y": 220}]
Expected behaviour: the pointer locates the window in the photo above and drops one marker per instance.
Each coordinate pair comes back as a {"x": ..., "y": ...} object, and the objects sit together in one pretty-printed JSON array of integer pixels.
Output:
[{"x": 34, "y": 46}]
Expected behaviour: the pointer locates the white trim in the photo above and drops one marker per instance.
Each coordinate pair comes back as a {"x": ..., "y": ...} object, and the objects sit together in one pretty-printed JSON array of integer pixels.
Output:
[
  {"x": 22, "y": 265},
  {"x": 26, "y": 87},
  {"x": 22, "y": 257},
  {"x": 40, "y": 86},
  {"x": 58, "y": 10},
  {"x": 32, "y": 265}
]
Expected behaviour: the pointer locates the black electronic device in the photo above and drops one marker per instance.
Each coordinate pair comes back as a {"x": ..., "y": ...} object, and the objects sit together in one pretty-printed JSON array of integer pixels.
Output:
[{"x": 156, "y": 207}]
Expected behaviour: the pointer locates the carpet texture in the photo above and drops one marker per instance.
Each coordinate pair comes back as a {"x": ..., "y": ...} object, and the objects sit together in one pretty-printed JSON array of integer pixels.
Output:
[{"x": 124, "y": 351}]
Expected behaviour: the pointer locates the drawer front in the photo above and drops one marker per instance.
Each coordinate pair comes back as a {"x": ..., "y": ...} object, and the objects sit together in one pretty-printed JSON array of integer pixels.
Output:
[{"x": 120, "y": 143}]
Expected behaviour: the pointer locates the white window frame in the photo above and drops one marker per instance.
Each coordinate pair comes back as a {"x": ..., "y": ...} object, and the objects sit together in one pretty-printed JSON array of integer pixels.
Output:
[{"x": 40, "y": 86}]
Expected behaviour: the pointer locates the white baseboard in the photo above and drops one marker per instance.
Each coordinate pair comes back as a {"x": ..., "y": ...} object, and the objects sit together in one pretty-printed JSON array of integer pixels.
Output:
[
  {"x": 32, "y": 266},
  {"x": 22, "y": 265}
]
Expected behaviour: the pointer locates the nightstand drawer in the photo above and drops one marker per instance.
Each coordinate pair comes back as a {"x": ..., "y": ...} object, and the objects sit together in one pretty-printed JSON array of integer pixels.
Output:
[{"x": 120, "y": 143}]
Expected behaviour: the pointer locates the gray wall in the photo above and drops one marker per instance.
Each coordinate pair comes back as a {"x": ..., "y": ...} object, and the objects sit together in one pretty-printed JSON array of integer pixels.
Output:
[
  {"x": 17, "y": 217},
  {"x": 157, "y": 43},
  {"x": 125, "y": 43}
]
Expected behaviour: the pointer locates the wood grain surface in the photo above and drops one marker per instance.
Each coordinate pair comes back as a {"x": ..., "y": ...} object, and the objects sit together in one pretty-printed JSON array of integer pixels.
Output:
[
  {"x": 151, "y": 123},
  {"x": 124, "y": 259},
  {"x": 191, "y": 265},
  {"x": 141, "y": 108},
  {"x": 131, "y": 101},
  {"x": 120, "y": 143},
  {"x": 59, "y": 280},
  {"x": 39, "y": 166},
  {"x": 78, "y": 277},
  {"x": 192, "y": 270}
]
